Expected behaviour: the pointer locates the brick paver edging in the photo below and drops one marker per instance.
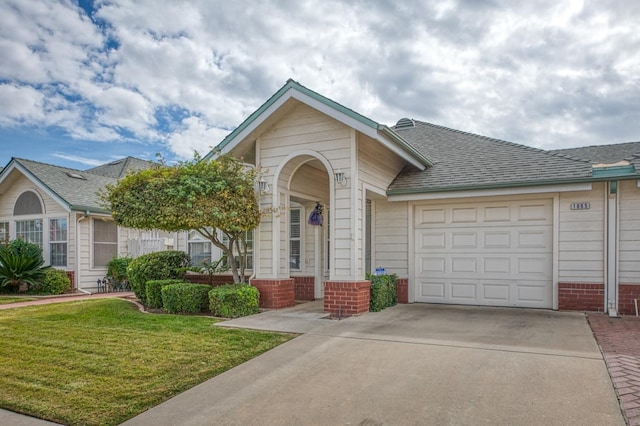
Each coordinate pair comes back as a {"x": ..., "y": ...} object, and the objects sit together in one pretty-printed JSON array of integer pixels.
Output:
[{"x": 619, "y": 341}]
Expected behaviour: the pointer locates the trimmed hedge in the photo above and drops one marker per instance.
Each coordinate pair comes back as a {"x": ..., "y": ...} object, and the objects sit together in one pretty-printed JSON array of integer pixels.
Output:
[
  {"x": 234, "y": 300},
  {"x": 117, "y": 269},
  {"x": 161, "y": 265},
  {"x": 383, "y": 291},
  {"x": 185, "y": 298},
  {"x": 154, "y": 291},
  {"x": 55, "y": 281}
]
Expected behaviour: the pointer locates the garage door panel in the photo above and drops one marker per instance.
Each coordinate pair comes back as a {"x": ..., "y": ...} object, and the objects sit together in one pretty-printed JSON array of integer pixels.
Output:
[
  {"x": 497, "y": 265},
  {"x": 496, "y": 293},
  {"x": 433, "y": 291},
  {"x": 497, "y": 239},
  {"x": 429, "y": 216},
  {"x": 461, "y": 265},
  {"x": 494, "y": 254},
  {"x": 464, "y": 240},
  {"x": 432, "y": 265},
  {"x": 463, "y": 291}
]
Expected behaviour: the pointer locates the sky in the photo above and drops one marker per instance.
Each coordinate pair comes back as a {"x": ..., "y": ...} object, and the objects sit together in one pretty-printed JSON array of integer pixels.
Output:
[{"x": 84, "y": 83}]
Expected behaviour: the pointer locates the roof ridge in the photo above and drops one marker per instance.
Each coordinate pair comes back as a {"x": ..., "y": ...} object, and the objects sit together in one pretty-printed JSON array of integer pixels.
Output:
[
  {"x": 48, "y": 164},
  {"x": 501, "y": 141}
]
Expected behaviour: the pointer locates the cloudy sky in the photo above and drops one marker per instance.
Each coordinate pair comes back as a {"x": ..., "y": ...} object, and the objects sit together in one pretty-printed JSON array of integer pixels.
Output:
[{"x": 85, "y": 83}]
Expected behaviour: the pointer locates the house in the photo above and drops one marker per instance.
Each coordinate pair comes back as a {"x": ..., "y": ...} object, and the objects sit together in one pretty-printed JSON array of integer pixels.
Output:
[
  {"x": 59, "y": 209},
  {"x": 460, "y": 218}
]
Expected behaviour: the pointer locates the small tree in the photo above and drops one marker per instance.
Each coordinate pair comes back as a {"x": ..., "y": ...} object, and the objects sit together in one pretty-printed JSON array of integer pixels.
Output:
[{"x": 206, "y": 196}]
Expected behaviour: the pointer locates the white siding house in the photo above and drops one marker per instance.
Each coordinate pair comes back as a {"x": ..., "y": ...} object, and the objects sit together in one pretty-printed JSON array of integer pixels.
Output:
[{"x": 460, "y": 218}]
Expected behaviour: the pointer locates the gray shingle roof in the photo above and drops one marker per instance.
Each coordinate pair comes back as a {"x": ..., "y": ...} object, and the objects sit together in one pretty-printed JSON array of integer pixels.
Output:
[
  {"x": 80, "y": 188},
  {"x": 604, "y": 154},
  {"x": 119, "y": 168},
  {"x": 466, "y": 161}
]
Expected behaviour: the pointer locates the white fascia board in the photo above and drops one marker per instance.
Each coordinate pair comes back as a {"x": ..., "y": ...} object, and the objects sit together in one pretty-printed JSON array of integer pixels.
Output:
[
  {"x": 26, "y": 173},
  {"x": 492, "y": 192},
  {"x": 357, "y": 125}
]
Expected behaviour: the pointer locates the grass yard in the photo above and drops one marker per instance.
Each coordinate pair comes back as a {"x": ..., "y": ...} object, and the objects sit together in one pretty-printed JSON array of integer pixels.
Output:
[
  {"x": 101, "y": 362},
  {"x": 4, "y": 300}
]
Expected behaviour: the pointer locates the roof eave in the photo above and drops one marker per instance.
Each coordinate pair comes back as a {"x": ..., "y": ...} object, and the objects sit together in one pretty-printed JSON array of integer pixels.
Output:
[
  {"x": 422, "y": 160},
  {"x": 90, "y": 209},
  {"x": 411, "y": 191}
]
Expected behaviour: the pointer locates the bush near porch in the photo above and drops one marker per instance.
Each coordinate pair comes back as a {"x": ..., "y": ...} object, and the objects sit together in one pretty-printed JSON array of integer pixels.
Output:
[
  {"x": 383, "y": 291},
  {"x": 234, "y": 300}
]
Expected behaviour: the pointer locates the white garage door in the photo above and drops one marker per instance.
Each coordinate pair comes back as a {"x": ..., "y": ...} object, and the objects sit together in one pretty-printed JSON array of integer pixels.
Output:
[{"x": 495, "y": 253}]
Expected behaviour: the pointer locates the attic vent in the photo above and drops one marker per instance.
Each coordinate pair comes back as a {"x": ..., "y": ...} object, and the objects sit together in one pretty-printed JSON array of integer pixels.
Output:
[
  {"x": 405, "y": 123},
  {"x": 76, "y": 176}
]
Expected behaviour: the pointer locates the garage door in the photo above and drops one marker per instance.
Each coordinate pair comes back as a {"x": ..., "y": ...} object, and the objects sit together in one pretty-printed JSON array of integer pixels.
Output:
[{"x": 495, "y": 253}]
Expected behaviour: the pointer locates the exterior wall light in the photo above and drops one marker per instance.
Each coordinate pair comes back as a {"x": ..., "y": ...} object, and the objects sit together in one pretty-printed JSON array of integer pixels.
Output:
[
  {"x": 341, "y": 179},
  {"x": 263, "y": 186}
]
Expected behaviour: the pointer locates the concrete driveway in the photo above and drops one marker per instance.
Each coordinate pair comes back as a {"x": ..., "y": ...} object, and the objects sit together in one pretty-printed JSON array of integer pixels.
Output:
[{"x": 414, "y": 365}]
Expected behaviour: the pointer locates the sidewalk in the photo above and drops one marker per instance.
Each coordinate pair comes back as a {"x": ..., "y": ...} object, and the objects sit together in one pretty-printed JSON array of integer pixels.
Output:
[
  {"x": 66, "y": 298},
  {"x": 619, "y": 341}
]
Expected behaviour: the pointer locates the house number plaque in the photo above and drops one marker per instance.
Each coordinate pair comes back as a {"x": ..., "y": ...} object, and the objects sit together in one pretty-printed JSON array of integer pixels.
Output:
[{"x": 580, "y": 206}]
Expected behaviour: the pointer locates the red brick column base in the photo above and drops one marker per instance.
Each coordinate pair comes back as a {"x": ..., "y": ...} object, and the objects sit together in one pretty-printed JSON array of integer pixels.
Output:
[
  {"x": 275, "y": 294},
  {"x": 304, "y": 287},
  {"x": 402, "y": 290},
  {"x": 346, "y": 298},
  {"x": 72, "y": 278},
  {"x": 627, "y": 294},
  {"x": 581, "y": 297}
]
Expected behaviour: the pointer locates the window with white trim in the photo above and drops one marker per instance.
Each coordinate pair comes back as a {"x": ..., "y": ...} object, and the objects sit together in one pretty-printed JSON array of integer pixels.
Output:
[
  {"x": 105, "y": 242},
  {"x": 295, "y": 241},
  {"x": 30, "y": 231},
  {"x": 199, "y": 248},
  {"x": 4, "y": 232},
  {"x": 58, "y": 242},
  {"x": 249, "y": 241}
]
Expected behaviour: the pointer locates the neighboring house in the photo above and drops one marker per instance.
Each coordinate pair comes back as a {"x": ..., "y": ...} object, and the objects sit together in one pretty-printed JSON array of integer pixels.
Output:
[
  {"x": 59, "y": 209},
  {"x": 460, "y": 218}
]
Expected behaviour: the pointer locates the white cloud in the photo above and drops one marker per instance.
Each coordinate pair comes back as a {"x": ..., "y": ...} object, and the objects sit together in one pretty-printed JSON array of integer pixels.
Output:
[
  {"x": 195, "y": 135},
  {"x": 546, "y": 73}
]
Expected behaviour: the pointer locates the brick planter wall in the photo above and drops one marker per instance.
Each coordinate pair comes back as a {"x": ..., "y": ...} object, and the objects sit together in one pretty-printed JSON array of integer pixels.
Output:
[
  {"x": 627, "y": 293},
  {"x": 581, "y": 297},
  {"x": 346, "y": 298},
  {"x": 275, "y": 294},
  {"x": 402, "y": 290},
  {"x": 72, "y": 277},
  {"x": 304, "y": 288}
]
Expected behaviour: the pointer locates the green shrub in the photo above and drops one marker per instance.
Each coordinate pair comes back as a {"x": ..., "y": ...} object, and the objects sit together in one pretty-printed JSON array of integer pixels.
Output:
[
  {"x": 383, "y": 291},
  {"x": 55, "y": 281},
  {"x": 154, "y": 291},
  {"x": 162, "y": 265},
  {"x": 185, "y": 298},
  {"x": 117, "y": 269},
  {"x": 21, "y": 265},
  {"x": 234, "y": 300}
]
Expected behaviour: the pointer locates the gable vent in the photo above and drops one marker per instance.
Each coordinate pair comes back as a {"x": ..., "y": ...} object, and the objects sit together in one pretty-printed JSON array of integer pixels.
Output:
[{"x": 405, "y": 123}]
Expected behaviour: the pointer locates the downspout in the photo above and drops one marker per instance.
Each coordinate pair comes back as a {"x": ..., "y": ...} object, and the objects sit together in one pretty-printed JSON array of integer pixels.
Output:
[
  {"x": 85, "y": 216},
  {"x": 612, "y": 249}
]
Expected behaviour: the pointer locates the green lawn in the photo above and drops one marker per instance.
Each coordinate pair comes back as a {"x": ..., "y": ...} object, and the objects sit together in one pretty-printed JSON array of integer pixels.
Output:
[
  {"x": 101, "y": 362},
  {"x": 13, "y": 299}
]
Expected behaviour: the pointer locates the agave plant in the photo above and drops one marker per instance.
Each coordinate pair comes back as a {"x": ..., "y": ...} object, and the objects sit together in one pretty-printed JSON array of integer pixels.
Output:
[{"x": 21, "y": 264}]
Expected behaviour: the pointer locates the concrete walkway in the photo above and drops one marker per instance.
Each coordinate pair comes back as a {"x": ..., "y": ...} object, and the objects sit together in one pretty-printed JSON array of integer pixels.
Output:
[
  {"x": 412, "y": 364},
  {"x": 619, "y": 340}
]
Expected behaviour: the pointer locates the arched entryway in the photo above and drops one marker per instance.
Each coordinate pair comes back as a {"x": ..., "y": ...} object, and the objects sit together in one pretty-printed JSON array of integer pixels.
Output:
[{"x": 302, "y": 187}]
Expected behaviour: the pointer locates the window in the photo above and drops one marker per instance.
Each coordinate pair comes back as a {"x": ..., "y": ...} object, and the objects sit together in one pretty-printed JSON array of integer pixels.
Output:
[
  {"x": 249, "y": 240},
  {"x": 4, "y": 232},
  {"x": 368, "y": 234},
  {"x": 30, "y": 230},
  {"x": 199, "y": 248},
  {"x": 105, "y": 242},
  {"x": 58, "y": 242},
  {"x": 294, "y": 239},
  {"x": 27, "y": 203}
]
